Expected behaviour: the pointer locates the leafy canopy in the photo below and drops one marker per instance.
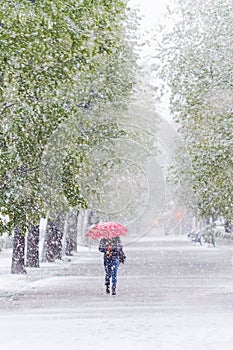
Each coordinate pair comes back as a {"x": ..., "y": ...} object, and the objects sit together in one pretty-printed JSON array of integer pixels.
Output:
[
  {"x": 196, "y": 56},
  {"x": 58, "y": 60}
]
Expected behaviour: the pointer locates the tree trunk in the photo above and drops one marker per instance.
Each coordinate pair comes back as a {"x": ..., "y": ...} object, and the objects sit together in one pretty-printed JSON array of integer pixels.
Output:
[
  {"x": 50, "y": 242},
  {"x": 33, "y": 246},
  {"x": 71, "y": 238},
  {"x": 53, "y": 239},
  {"x": 17, "y": 265}
]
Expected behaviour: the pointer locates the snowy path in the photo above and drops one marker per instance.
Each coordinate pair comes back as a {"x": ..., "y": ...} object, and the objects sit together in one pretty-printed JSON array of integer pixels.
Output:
[{"x": 171, "y": 295}]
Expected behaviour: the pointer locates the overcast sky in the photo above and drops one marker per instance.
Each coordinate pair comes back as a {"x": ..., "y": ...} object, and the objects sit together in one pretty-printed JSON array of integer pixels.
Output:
[{"x": 150, "y": 9}]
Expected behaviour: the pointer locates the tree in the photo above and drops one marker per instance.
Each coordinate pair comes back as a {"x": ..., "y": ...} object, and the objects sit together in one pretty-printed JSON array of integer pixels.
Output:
[
  {"x": 58, "y": 61},
  {"x": 196, "y": 64}
]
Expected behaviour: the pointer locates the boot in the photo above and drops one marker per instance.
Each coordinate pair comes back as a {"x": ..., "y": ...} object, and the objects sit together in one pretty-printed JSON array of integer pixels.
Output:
[
  {"x": 113, "y": 290},
  {"x": 107, "y": 289}
]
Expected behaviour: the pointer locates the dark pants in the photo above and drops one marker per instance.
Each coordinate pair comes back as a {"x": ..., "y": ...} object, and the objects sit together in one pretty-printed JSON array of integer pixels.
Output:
[{"x": 111, "y": 268}]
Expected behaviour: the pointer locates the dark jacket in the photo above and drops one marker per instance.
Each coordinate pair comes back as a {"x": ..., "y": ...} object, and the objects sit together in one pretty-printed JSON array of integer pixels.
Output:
[{"x": 112, "y": 248}]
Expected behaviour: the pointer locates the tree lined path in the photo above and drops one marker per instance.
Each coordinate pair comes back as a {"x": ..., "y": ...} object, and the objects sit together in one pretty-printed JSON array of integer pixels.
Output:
[{"x": 160, "y": 275}]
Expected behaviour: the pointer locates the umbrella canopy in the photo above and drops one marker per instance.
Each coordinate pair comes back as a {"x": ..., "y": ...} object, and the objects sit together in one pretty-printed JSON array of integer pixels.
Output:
[{"x": 107, "y": 230}]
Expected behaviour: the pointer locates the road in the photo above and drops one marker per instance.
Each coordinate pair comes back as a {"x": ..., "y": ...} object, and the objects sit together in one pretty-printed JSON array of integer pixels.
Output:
[
  {"x": 159, "y": 275},
  {"x": 171, "y": 295}
]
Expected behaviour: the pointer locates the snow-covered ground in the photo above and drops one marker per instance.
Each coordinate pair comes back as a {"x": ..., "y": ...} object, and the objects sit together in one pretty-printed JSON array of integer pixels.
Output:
[{"x": 171, "y": 295}]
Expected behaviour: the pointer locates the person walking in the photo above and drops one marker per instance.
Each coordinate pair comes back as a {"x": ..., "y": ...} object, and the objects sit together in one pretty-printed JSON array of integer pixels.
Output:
[{"x": 113, "y": 256}]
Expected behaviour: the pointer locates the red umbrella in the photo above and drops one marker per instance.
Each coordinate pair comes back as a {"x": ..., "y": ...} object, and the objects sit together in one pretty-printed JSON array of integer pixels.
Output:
[{"x": 107, "y": 230}]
